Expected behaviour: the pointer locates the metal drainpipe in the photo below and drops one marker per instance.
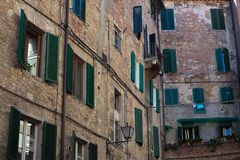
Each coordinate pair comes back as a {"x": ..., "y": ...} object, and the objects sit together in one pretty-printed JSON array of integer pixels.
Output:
[
  {"x": 162, "y": 112},
  {"x": 64, "y": 82}
]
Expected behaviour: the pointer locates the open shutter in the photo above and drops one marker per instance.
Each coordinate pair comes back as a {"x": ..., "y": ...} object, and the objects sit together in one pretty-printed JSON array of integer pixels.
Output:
[
  {"x": 137, "y": 19},
  {"x": 49, "y": 141},
  {"x": 70, "y": 69},
  {"x": 221, "y": 22},
  {"x": 90, "y": 86},
  {"x": 92, "y": 151},
  {"x": 141, "y": 68},
  {"x": 145, "y": 42},
  {"x": 13, "y": 134},
  {"x": 219, "y": 59},
  {"x": 173, "y": 60},
  {"x": 73, "y": 145},
  {"x": 22, "y": 39},
  {"x": 52, "y": 58},
  {"x": 83, "y": 10},
  {"x": 156, "y": 147},
  {"x": 179, "y": 133},
  {"x": 171, "y": 23},
  {"x": 138, "y": 126},
  {"x": 214, "y": 18},
  {"x": 196, "y": 131},
  {"x": 226, "y": 60},
  {"x": 76, "y": 7},
  {"x": 158, "y": 101},
  {"x": 167, "y": 60},
  {"x": 133, "y": 66},
  {"x": 151, "y": 92}
]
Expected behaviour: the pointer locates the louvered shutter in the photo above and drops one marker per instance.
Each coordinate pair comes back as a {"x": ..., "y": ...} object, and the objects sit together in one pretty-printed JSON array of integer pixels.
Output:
[
  {"x": 141, "y": 68},
  {"x": 175, "y": 96},
  {"x": 196, "y": 131},
  {"x": 171, "y": 23},
  {"x": 83, "y": 10},
  {"x": 52, "y": 58},
  {"x": 156, "y": 147},
  {"x": 138, "y": 126},
  {"x": 179, "y": 133},
  {"x": 73, "y": 145},
  {"x": 151, "y": 92},
  {"x": 164, "y": 23},
  {"x": 92, "y": 151},
  {"x": 145, "y": 42},
  {"x": 133, "y": 66},
  {"x": 173, "y": 60},
  {"x": 90, "y": 86},
  {"x": 214, "y": 18},
  {"x": 158, "y": 101},
  {"x": 13, "y": 134},
  {"x": 137, "y": 19},
  {"x": 168, "y": 97},
  {"x": 167, "y": 60},
  {"x": 49, "y": 137},
  {"x": 22, "y": 39},
  {"x": 70, "y": 69},
  {"x": 230, "y": 94},
  {"x": 198, "y": 95},
  {"x": 226, "y": 60},
  {"x": 219, "y": 59},
  {"x": 223, "y": 92},
  {"x": 152, "y": 40},
  {"x": 76, "y": 7}
]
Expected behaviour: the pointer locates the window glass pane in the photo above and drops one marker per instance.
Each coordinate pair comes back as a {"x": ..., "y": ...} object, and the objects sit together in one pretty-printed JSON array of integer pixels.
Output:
[
  {"x": 33, "y": 53},
  {"x": 80, "y": 154},
  {"x": 19, "y": 156},
  {"x": 78, "y": 81},
  {"x": 30, "y": 129}
]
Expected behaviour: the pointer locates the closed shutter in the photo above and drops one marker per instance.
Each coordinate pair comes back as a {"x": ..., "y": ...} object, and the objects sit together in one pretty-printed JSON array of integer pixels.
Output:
[
  {"x": 167, "y": 19},
  {"x": 83, "y": 10},
  {"x": 175, "y": 96},
  {"x": 198, "y": 95},
  {"x": 230, "y": 94},
  {"x": 156, "y": 147},
  {"x": 133, "y": 66},
  {"x": 171, "y": 23},
  {"x": 226, "y": 95},
  {"x": 164, "y": 19},
  {"x": 219, "y": 60},
  {"x": 70, "y": 69},
  {"x": 73, "y": 145},
  {"x": 158, "y": 101},
  {"x": 92, "y": 151},
  {"x": 179, "y": 133},
  {"x": 90, "y": 86},
  {"x": 49, "y": 141},
  {"x": 138, "y": 126},
  {"x": 196, "y": 131},
  {"x": 141, "y": 77},
  {"x": 151, "y": 92},
  {"x": 171, "y": 96},
  {"x": 221, "y": 21},
  {"x": 168, "y": 97},
  {"x": 52, "y": 58},
  {"x": 145, "y": 42},
  {"x": 167, "y": 60},
  {"x": 76, "y": 7},
  {"x": 217, "y": 17},
  {"x": 173, "y": 61},
  {"x": 214, "y": 18},
  {"x": 13, "y": 134},
  {"x": 22, "y": 39},
  {"x": 137, "y": 19},
  {"x": 226, "y": 60}
]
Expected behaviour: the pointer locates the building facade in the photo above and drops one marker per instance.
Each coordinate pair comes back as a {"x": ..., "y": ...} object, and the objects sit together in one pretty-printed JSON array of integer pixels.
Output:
[
  {"x": 200, "y": 79},
  {"x": 112, "y": 50}
]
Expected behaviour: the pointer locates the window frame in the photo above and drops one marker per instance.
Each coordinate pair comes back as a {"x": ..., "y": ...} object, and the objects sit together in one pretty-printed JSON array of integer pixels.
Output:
[
  {"x": 84, "y": 146},
  {"x": 117, "y": 115},
  {"x": 117, "y": 37},
  {"x": 77, "y": 60}
]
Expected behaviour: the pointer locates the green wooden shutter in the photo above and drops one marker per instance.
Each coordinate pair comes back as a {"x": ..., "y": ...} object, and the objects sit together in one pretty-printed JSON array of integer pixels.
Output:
[
  {"x": 198, "y": 95},
  {"x": 141, "y": 68},
  {"x": 13, "y": 134},
  {"x": 167, "y": 60},
  {"x": 49, "y": 141},
  {"x": 226, "y": 60},
  {"x": 173, "y": 60},
  {"x": 22, "y": 39},
  {"x": 217, "y": 17},
  {"x": 230, "y": 94},
  {"x": 76, "y": 7},
  {"x": 70, "y": 69},
  {"x": 214, "y": 18},
  {"x": 164, "y": 19},
  {"x": 179, "y": 133},
  {"x": 52, "y": 58},
  {"x": 223, "y": 92},
  {"x": 153, "y": 9},
  {"x": 171, "y": 97},
  {"x": 221, "y": 21},
  {"x": 196, "y": 131},
  {"x": 90, "y": 86},
  {"x": 156, "y": 147},
  {"x": 158, "y": 101},
  {"x": 171, "y": 23},
  {"x": 219, "y": 62},
  {"x": 151, "y": 92},
  {"x": 83, "y": 10},
  {"x": 133, "y": 66},
  {"x": 168, "y": 98},
  {"x": 92, "y": 151},
  {"x": 138, "y": 126},
  {"x": 175, "y": 96},
  {"x": 73, "y": 145}
]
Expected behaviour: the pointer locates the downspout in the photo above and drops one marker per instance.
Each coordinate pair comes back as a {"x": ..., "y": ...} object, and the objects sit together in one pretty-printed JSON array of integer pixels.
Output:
[
  {"x": 64, "y": 82},
  {"x": 162, "y": 112}
]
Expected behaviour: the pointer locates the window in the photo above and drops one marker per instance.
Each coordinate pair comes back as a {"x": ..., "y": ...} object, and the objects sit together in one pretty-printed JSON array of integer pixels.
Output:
[
  {"x": 137, "y": 73},
  {"x": 154, "y": 97},
  {"x": 188, "y": 133},
  {"x": 226, "y": 131},
  {"x": 217, "y": 17},
  {"x": 80, "y": 78},
  {"x": 117, "y": 116},
  {"x": 167, "y": 19},
  {"x": 118, "y": 39},
  {"x": 92, "y": 151},
  {"x": 137, "y": 21},
  {"x": 198, "y": 100},
  {"x": 222, "y": 60},
  {"x": 146, "y": 52},
  {"x": 41, "y": 63},
  {"x": 27, "y": 140},
  {"x": 79, "y": 8},
  {"x": 171, "y": 96},
  {"x": 226, "y": 95},
  {"x": 153, "y": 9},
  {"x": 152, "y": 40},
  {"x": 170, "y": 61},
  {"x": 138, "y": 126},
  {"x": 78, "y": 148}
]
